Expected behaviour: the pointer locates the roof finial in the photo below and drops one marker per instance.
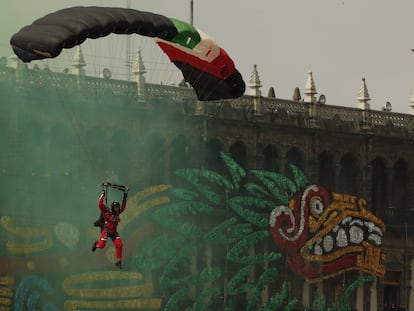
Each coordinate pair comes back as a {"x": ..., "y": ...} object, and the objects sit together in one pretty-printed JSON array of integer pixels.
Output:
[
  {"x": 254, "y": 83},
  {"x": 271, "y": 92},
  {"x": 139, "y": 71},
  {"x": 296, "y": 94},
  {"x": 310, "y": 89},
  {"x": 363, "y": 96},
  {"x": 78, "y": 62},
  {"x": 139, "y": 68}
]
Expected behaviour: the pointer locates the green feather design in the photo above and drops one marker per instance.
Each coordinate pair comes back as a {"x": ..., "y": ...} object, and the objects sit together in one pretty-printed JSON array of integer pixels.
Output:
[{"x": 242, "y": 209}]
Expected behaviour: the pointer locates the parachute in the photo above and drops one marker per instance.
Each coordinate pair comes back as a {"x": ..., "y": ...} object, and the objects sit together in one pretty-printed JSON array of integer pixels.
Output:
[{"x": 204, "y": 64}]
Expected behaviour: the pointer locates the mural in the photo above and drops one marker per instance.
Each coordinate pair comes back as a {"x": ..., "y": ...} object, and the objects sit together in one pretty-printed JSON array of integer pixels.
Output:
[
  {"x": 325, "y": 237},
  {"x": 211, "y": 240}
]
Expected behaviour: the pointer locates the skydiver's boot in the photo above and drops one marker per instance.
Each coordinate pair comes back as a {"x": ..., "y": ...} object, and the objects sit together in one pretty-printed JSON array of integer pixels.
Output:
[
  {"x": 94, "y": 246},
  {"x": 118, "y": 264}
]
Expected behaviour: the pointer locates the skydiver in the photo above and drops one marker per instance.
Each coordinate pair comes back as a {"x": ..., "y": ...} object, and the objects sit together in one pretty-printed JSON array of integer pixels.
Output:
[{"x": 109, "y": 225}]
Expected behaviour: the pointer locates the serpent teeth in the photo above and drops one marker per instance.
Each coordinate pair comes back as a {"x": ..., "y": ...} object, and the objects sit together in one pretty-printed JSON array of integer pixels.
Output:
[{"x": 349, "y": 232}]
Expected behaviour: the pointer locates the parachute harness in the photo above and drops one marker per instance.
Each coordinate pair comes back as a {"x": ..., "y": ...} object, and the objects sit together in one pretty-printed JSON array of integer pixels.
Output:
[{"x": 101, "y": 222}]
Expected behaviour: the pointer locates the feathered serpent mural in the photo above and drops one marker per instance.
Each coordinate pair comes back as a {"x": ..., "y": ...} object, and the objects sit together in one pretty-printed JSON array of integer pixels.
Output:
[{"x": 209, "y": 241}]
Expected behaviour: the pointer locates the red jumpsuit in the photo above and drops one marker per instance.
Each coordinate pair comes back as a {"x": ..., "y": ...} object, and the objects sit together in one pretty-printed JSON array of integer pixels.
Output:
[{"x": 110, "y": 227}]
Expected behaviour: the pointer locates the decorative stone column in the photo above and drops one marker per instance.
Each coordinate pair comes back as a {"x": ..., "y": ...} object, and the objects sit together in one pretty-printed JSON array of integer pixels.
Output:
[
  {"x": 139, "y": 71},
  {"x": 310, "y": 98},
  {"x": 363, "y": 98},
  {"x": 78, "y": 63},
  {"x": 310, "y": 89},
  {"x": 254, "y": 90}
]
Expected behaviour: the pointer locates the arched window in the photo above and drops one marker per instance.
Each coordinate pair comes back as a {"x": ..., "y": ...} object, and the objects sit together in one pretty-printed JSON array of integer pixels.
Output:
[
  {"x": 326, "y": 170},
  {"x": 62, "y": 164},
  {"x": 212, "y": 157},
  {"x": 154, "y": 159},
  {"x": 399, "y": 186},
  {"x": 239, "y": 154},
  {"x": 92, "y": 146},
  {"x": 34, "y": 140},
  {"x": 271, "y": 161},
  {"x": 379, "y": 195},
  {"x": 63, "y": 148},
  {"x": 293, "y": 156},
  {"x": 180, "y": 156},
  {"x": 347, "y": 175},
  {"x": 119, "y": 158}
]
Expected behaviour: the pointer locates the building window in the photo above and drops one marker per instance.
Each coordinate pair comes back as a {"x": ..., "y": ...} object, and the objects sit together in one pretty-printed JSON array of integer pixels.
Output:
[
  {"x": 212, "y": 157},
  {"x": 379, "y": 196},
  {"x": 180, "y": 156},
  {"x": 293, "y": 156},
  {"x": 399, "y": 187},
  {"x": 119, "y": 148},
  {"x": 155, "y": 159},
  {"x": 325, "y": 170},
  {"x": 347, "y": 175},
  {"x": 271, "y": 161},
  {"x": 239, "y": 154}
]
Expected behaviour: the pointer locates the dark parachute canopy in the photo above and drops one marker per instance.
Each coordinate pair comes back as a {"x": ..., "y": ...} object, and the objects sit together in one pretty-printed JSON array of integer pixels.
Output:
[{"x": 205, "y": 65}]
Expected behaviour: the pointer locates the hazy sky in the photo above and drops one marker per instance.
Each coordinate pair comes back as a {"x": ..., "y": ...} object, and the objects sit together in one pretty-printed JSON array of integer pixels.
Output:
[{"x": 340, "y": 41}]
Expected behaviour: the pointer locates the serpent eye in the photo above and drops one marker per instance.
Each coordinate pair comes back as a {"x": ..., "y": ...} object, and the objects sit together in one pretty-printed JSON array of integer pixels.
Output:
[{"x": 316, "y": 206}]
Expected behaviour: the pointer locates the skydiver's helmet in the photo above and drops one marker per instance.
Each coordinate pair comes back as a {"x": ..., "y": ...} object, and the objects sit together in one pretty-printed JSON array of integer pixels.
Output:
[{"x": 115, "y": 206}]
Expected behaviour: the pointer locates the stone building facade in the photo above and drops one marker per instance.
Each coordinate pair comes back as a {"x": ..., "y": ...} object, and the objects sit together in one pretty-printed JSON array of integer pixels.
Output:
[{"x": 370, "y": 154}]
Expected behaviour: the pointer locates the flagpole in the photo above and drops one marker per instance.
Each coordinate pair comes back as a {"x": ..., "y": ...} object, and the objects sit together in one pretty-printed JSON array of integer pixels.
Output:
[
  {"x": 128, "y": 50},
  {"x": 191, "y": 12}
]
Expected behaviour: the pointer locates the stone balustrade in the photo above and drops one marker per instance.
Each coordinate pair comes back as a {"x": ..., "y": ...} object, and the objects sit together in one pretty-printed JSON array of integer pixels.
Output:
[{"x": 258, "y": 109}]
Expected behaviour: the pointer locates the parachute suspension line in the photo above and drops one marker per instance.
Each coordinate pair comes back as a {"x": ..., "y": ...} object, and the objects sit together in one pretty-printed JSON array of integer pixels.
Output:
[
  {"x": 191, "y": 12},
  {"x": 128, "y": 51},
  {"x": 119, "y": 49},
  {"x": 108, "y": 186},
  {"x": 106, "y": 194},
  {"x": 75, "y": 124},
  {"x": 159, "y": 67},
  {"x": 31, "y": 43}
]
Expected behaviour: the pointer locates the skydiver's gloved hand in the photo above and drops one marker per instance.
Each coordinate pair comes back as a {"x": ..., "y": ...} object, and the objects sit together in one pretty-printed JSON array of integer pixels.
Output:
[
  {"x": 104, "y": 185},
  {"x": 126, "y": 192}
]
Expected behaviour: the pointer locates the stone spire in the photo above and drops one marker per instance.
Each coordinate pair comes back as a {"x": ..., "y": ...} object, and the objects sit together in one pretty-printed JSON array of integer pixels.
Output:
[
  {"x": 139, "y": 71},
  {"x": 139, "y": 68},
  {"x": 271, "y": 92},
  {"x": 363, "y": 96},
  {"x": 296, "y": 94},
  {"x": 78, "y": 62},
  {"x": 254, "y": 83},
  {"x": 310, "y": 89}
]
